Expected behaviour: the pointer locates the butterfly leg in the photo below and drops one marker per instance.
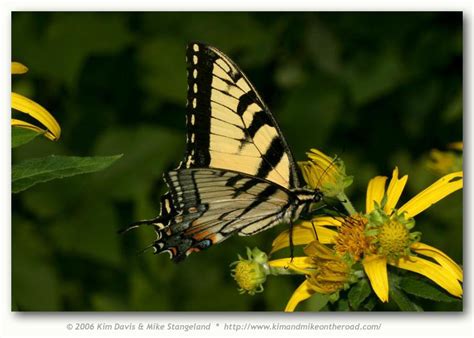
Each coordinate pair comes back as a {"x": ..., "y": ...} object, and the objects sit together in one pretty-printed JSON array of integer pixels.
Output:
[
  {"x": 154, "y": 221},
  {"x": 315, "y": 232},
  {"x": 292, "y": 246}
]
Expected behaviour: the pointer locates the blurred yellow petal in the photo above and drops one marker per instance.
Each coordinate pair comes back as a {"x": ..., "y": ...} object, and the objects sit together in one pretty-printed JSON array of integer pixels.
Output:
[
  {"x": 303, "y": 292},
  {"x": 320, "y": 157},
  {"x": 375, "y": 192},
  {"x": 434, "y": 193},
  {"x": 26, "y": 125},
  {"x": 326, "y": 236},
  {"x": 376, "y": 269},
  {"x": 303, "y": 233},
  {"x": 456, "y": 146},
  {"x": 444, "y": 260},
  {"x": 298, "y": 264},
  {"x": 302, "y": 236},
  {"x": 27, "y": 106},
  {"x": 325, "y": 173},
  {"x": 394, "y": 191},
  {"x": 325, "y": 221},
  {"x": 18, "y": 68},
  {"x": 433, "y": 271},
  {"x": 301, "y": 262}
]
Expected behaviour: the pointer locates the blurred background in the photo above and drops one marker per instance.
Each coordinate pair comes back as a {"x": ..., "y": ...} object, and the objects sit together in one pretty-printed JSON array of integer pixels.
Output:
[{"x": 378, "y": 89}]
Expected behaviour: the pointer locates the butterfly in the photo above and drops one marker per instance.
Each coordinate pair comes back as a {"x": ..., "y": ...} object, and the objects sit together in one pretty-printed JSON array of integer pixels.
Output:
[{"x": 238, "y": 175}]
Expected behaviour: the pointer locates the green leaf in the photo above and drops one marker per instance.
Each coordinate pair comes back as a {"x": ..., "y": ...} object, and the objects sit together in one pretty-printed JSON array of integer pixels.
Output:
[
  {"x": 419, "y": 288},
  {"x": 30, "y": 172},
  {"x": 370, "y": 304},
  {"x": 317, "y": 302},
  {"x": 358, "y": 293},
  {"x": 403, "y": 302},
  {"x": 22, "y": 136},
  {"x": 343, "y": 305}
]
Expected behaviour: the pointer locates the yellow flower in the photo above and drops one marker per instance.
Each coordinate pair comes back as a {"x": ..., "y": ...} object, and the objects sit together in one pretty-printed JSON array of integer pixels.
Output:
[
  {"x": 445, "y": 162},
  {"x": 382, "y": 236},
  {"x": 438, "y": 267},
  {"x": 326, "y": 272},
  {"x": 251, "y": 273},
  {"x": 325, "y": 173},
  {"x": 21, "y": 103}
]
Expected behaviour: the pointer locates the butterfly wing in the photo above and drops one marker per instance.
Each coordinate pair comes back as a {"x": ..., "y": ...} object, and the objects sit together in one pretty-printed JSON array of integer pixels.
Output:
[
  {"x": 238, "y": 174},
  {"x": 228, "y": 125},
  {"x": 206, "y": 206}
]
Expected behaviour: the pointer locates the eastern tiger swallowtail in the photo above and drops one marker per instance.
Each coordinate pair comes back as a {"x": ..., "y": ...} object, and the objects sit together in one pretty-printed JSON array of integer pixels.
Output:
[{"x": 238, "y": 174}]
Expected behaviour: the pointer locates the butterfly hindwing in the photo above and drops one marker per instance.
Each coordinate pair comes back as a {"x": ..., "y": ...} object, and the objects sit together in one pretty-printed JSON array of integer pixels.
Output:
[
  {"x": 213, "y": 204},
  {"x": 228, "y": 124}
]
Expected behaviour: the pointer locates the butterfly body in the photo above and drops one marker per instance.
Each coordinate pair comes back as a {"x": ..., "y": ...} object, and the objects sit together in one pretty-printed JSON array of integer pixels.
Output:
[{"x": 238, "y": 174}]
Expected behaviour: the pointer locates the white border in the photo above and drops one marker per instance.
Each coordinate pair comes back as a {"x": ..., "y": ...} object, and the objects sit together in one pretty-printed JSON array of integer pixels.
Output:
[{"x": 55, "y": 324}]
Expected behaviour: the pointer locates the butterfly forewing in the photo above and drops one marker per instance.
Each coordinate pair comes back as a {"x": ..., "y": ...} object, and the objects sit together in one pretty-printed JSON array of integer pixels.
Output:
[{"x": 229, "y": 126}]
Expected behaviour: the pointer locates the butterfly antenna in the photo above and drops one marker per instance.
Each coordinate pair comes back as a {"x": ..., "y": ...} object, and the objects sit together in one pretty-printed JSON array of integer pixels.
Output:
[{"x": 333, "y": 162}]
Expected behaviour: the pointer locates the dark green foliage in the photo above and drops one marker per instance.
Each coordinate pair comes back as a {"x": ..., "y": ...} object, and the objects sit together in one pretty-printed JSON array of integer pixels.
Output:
[
  {"x": 358, "y": 293},
  {"x": 378, "y": 89},
  {"x": 424, "y": 289},
  {"x": 22, "y": 136},
  {"x": 27, "y": 173}
]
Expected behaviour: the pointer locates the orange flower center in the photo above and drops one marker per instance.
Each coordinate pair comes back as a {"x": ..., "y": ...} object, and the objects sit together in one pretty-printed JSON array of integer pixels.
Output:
[{"x": 351, "y": 238}]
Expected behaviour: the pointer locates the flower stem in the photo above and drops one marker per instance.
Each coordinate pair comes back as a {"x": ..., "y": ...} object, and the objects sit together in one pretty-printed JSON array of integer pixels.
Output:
[{"x": 342, "y": 197}]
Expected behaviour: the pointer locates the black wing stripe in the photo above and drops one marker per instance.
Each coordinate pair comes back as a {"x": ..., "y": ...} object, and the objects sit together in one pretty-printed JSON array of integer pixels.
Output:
[
  {"x": 245, "y": 101},
  {"x": 261, "y": 198},
  {"x": 273, "y": 156},
  {"x": 260, "y": 119}
]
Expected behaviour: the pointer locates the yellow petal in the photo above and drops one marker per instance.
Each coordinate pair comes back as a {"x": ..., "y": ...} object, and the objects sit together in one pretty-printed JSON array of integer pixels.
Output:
[
  {"x": 299, "y": 263},
  {"x": 26, "y": 125},
  {"x": 433, "y": 271},
  {"x": 434, "y": 193},
  {"x": 326, "y": 236},
  {"x": 303, "y": 292},
  {"x": 18, "y": 68},
  {"x": 376, "y": 269},
  {"x": 394, "y": 191},
  {"x": 316, "y": 154},
  {"x": 375, "y": 192},
  {"x": 303, "y": 233},
  {"x": 25, "y": 105},
  {"x": 309, "y": 174},
  {"x": 325, "y": 221},
  {"x": 302, "y": 236},
  {"x": 440, "y": 257}
]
